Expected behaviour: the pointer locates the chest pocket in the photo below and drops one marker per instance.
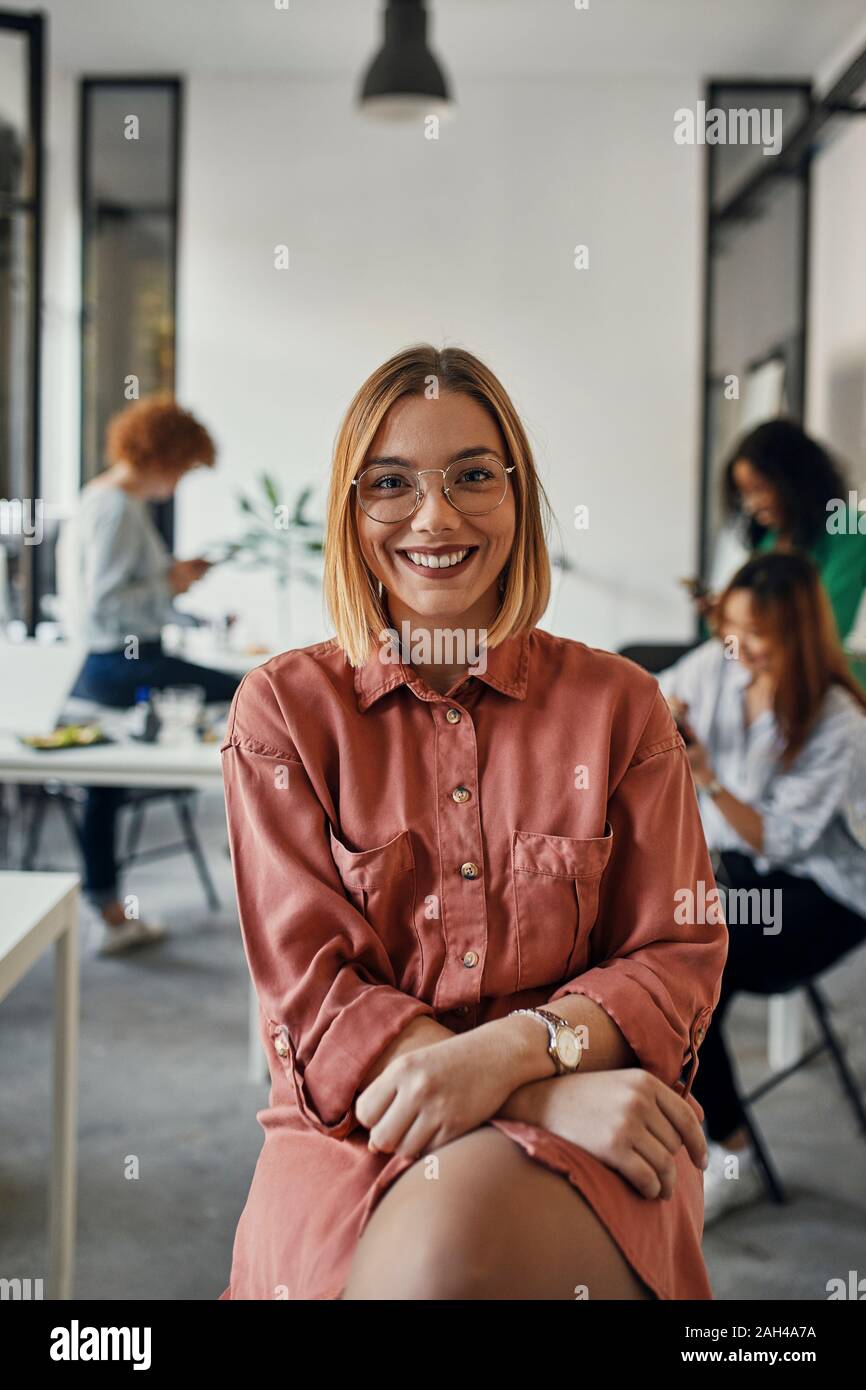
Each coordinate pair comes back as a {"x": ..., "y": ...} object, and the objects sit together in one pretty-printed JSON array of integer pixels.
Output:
[
  {"x": 556, "y": 885},
  {"x": 381, "y": 884}
]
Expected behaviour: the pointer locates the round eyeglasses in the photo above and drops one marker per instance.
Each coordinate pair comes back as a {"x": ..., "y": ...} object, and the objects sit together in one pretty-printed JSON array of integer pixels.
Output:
[{"x": 392, "y": 492}]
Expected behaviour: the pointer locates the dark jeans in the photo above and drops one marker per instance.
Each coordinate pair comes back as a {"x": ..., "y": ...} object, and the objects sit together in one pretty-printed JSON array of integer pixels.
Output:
[
  {"x": 816, "y": 931},
  {"x": 110, "y": 678}
]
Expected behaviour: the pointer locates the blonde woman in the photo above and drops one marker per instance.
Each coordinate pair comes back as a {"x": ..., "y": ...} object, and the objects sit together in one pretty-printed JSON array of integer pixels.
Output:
[{"x": 457, "y": 841}]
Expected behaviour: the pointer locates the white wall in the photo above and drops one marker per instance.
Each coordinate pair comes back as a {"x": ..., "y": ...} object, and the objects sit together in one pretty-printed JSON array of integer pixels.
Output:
[
  {"x": 836, "y": 404},
  {"x": 468, "y": 240},
  {"x": 837, "y": 309}
]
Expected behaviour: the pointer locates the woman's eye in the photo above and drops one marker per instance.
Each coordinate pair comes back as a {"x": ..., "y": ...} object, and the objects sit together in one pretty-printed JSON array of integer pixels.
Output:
[
  {"x": 475, "y": 475},
  {"x": 390, "y": 483}
]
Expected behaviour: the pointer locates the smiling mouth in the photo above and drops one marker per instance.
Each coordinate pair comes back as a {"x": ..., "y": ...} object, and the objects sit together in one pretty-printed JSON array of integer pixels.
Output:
[{"x": 440, "y": 564}]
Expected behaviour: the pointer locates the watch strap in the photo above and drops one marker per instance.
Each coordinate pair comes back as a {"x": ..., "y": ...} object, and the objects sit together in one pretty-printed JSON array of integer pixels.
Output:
[{"x": 553, "y": 1023}]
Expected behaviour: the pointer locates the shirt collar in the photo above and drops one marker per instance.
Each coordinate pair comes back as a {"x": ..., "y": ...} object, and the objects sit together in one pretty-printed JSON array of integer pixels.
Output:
[
  {"x": 506, "y": 668},
  {"x": 738, "y": 675}
]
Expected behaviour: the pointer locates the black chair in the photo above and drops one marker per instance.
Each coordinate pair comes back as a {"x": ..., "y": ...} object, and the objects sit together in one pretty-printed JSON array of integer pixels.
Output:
[
  {"x": 656, "y": 656},
  {"x": 37, "y": 800},
  {"x": 828, "y": 1042}
]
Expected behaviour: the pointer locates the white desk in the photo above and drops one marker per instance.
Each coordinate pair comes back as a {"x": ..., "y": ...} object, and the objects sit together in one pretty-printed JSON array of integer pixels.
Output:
[
  {"x": 129, "y": 764},
  {"x": 121, "y": 764},
  {"x": 38, "y": 911}
]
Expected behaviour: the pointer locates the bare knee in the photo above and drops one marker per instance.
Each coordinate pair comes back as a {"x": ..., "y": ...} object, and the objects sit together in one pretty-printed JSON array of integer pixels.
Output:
[
  {"x": 426, "y": 1251},
  {"x": 431, "y": 1236}
]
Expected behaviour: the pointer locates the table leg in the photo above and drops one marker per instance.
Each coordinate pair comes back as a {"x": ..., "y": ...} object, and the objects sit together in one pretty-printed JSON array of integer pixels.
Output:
[{"x": 62, "y": 1194}]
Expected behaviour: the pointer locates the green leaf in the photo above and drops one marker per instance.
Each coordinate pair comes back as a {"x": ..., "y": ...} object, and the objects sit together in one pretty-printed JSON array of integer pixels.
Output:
[
  {"x": 270, "y": 490},
  {"x": 303, "y": 498}
]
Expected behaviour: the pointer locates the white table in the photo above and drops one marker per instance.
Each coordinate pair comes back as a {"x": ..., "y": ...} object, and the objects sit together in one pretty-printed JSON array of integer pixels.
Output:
[
  {"x": 39, "y": 911},
  {"x": 121, "y": 764},
  {"x": 129, "y": 764}
]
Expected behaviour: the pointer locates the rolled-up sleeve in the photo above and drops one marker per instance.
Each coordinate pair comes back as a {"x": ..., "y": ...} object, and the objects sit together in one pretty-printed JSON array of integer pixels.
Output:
[
  {"x": 324, "y": 980},
  {"x": 656, "y": 960},
  {"x": 800, "y": 803}
]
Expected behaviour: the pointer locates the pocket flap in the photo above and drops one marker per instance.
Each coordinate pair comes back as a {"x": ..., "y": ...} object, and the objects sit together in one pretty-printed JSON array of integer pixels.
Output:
[
  {"x": 366, "y": 868},
  {"x": 561, "y": 855}
]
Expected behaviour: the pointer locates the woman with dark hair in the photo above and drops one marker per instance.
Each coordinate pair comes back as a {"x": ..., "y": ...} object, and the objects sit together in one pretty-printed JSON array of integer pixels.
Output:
[
  {"x": 788, "y": 493},
  {"x": 776, "y": 736}
]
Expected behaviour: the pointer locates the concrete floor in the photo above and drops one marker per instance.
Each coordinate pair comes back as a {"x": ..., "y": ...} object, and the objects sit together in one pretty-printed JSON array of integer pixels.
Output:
[{"x": 163, "y": 1079}]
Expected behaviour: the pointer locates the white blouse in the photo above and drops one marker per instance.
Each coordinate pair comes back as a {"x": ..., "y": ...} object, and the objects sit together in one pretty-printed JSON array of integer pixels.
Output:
[{"x": 813, "y": 812}]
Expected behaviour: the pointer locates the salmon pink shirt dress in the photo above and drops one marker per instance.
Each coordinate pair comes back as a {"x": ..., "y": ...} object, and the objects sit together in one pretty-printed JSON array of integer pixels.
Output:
[{"x": 399, "y": 852}]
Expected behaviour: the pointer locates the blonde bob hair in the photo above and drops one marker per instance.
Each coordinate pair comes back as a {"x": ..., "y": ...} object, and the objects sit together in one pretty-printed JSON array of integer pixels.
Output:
[{"x": 351, "y": 589}]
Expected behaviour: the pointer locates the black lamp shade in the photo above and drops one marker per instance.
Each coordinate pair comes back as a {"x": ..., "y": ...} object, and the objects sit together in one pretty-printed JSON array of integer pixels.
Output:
[{"x": 404, "y": 77}]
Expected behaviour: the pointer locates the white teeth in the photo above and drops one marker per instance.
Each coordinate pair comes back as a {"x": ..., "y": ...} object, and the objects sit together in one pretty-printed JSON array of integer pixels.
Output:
[{"x": 436, "y": 562}]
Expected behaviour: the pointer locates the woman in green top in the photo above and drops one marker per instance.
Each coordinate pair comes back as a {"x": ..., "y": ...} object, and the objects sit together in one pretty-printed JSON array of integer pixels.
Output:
[{"x": 789, "y": 494}]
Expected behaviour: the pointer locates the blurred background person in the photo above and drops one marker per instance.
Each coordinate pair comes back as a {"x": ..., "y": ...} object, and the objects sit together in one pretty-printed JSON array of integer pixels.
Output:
[
  {"x": 777, "y": 486},
  {"x": 775, "y": 727},
  {"x": 117, "y": 564}
]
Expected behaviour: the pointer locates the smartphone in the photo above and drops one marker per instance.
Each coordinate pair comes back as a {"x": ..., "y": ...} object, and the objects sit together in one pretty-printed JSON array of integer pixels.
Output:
[{"x": 216, "y": 557}]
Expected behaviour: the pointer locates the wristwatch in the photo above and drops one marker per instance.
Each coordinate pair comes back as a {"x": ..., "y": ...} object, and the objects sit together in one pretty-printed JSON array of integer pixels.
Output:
[
  {"x": 564, "y": 1046},
  {"x": 713, "y": 788}
]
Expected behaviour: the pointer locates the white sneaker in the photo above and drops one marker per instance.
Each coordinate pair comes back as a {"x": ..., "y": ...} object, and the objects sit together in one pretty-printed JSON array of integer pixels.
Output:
[
  {"x": 725, "y": 1192},
  {"x": 128, "y": 935}
]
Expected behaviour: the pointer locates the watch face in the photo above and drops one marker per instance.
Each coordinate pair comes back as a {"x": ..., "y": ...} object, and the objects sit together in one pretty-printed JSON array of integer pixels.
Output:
[{"x": 568, "y": 1047}]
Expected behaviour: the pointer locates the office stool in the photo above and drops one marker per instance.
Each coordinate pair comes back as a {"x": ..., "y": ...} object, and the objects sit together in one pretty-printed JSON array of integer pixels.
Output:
[
  {"x": 827, "y": 1042},
  {"x": 67, "y": 798}
]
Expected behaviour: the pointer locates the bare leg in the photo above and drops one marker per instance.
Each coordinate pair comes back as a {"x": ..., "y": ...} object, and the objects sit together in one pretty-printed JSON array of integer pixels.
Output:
[
  {"x": 493, "y": 1224},
  {"x": 113, "y": 913}
]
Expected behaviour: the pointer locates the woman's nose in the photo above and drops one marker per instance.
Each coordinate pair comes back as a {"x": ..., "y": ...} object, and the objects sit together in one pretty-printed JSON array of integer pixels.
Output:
[{"x": 435, "y": 507}]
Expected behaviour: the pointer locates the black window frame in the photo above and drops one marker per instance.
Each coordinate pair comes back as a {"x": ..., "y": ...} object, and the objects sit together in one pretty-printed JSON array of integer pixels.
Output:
[
  {"x": 33, "y": 26},
  {"x": 163, "y": 512}
]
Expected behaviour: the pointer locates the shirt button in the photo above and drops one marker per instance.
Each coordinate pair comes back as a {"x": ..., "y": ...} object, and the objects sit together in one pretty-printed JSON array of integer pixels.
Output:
[
  {"x": 470, "y": 959},
  {"x": 453, "y": 716},
  {"x": 462, "y": 1009},
  {"x": 460, "y": 794},
  {"x": 281, "y": 1047},
  {"x": 699, "y": 1036},
  {"x": 469, "y": 870}
]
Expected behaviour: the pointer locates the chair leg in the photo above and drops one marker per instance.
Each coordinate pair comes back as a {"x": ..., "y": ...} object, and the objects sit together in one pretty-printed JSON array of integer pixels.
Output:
[
  {"x": 133, "y": 834},
  {"x": 34, "y": 829},
  {"x": 181, "y": 803},
  {"x": 772, "y": 1181},
  {"x": 71, "y": 821},
  {"x": 849, "y": 1085}
]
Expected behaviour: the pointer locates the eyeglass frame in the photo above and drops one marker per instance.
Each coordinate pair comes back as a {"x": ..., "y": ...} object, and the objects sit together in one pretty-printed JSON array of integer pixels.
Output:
[{"x": 419, "y": 495}]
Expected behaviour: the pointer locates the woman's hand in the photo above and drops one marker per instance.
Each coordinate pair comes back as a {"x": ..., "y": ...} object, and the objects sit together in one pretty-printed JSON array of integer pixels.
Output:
[
  {"x": 184, "y": 573},
  {"x": 706, "y": 604},
  {"x": 699, "y": 763},
  {"x": 628, "y": 1119},
  {"x": 433, "y": 1094}
]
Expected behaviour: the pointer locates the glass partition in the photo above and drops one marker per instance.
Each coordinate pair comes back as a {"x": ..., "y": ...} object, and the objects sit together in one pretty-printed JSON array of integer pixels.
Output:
[
  {"x": 129, "y": 166},
  {"x": 21, "y": 87}
]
